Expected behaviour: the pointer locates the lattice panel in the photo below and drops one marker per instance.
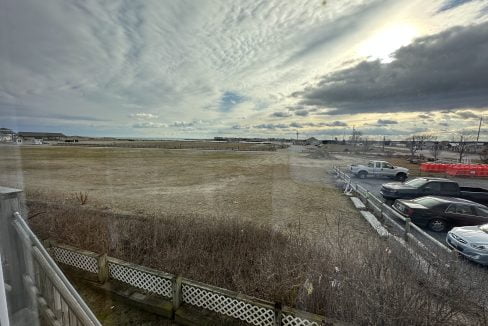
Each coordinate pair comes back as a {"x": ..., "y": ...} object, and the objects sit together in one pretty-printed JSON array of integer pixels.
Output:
[
  {"x": 75, "y": 259},
  {"x": 290, "y": 320},
  {"x": 231, "y": 307},
  {"x": 142, "y": 280}
]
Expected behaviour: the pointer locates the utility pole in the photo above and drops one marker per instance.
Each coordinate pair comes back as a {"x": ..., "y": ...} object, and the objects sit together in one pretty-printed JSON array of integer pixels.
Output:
[
  {"x": 353, "y": 136},
  {"x": 297, "y": 135},
  {"x": 478, "y": 137},
  {"x": 479, "y": 129},
  {"x": 384, "y": 141}
]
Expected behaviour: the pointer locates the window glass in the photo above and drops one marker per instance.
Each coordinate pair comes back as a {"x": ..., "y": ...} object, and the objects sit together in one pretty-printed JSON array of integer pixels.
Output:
[
  {"x": 482, "y": 211},
  {"x": 427, "y": 201},
  {"x": 223, "y": 140},
  {"x": 460, "y": 209},
  {"x": 449, "y": 187},
  {"x": 418, "y": 182},
  {"x": 434, "y": 186}
]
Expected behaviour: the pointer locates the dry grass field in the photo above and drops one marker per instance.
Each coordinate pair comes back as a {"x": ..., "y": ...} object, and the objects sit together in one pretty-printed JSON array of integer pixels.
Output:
[{"x": 281, "y": 188}]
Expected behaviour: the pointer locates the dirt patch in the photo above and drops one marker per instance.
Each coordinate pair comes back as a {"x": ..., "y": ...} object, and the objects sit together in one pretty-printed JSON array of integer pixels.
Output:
[{"x": 321, "y": 154}]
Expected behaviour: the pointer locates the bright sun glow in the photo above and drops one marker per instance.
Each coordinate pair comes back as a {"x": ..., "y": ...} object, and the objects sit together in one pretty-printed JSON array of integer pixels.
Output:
[{"x": 386, "y": 40}]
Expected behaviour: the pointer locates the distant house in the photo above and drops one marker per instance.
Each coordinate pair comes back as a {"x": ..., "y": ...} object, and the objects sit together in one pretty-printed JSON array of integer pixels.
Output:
[
  {"x": 312, "y": 141},
  {"x": 7, "y": 135},
  {"x": 40, "y": 136}
]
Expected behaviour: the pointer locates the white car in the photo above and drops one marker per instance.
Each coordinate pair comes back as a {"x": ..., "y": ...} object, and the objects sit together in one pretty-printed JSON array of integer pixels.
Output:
[
  {"x": 471, "y": 242},
  {"x": 379, "y": 169}
]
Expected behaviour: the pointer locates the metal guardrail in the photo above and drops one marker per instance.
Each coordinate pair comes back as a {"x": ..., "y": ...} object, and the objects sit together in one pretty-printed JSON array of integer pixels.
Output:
[{"x": 388, "y": 215}]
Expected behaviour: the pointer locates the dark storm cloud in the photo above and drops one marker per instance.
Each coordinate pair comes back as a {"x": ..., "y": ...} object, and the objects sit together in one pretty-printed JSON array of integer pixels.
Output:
[{"x": 444, "y": 71}]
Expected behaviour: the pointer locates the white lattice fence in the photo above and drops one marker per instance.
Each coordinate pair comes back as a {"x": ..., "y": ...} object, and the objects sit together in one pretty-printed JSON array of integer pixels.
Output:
[
  {"x": 142, "y": 279},
  {"x": 251, "y": 310},
  {"x": 290, "y": 320},
  {"x": 214, "y": 301},
  {"x": 73, "y": 258}
]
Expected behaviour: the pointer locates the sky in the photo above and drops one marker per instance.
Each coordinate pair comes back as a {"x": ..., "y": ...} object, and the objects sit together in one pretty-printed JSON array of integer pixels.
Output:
[{"x": 271, "y": 68}]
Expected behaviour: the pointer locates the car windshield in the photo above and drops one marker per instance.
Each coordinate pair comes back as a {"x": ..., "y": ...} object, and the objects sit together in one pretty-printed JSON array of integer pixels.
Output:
[
  {"x": 419, "y": 182},
  {"x": 484, "y": 228},
  {"x": 427, "y": 201}
]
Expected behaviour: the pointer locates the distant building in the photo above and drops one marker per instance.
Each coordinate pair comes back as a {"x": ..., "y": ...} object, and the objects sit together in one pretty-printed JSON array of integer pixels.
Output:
[
  {"x": 7, "y": 135},
  {"x": 42, "y": 136},
  {"x": 312, "y": 141}
]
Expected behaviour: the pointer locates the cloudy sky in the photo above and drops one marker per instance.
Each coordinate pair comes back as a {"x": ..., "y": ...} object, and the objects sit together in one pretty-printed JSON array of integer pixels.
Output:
[{"x": 244, "y": 68}]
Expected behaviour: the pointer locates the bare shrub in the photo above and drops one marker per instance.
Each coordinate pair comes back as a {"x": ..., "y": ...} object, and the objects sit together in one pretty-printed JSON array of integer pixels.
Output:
[
  {"x": 484, "y": 155},
  {"x": 82, "y": 197},
  {"x": 345, "y": 276}
]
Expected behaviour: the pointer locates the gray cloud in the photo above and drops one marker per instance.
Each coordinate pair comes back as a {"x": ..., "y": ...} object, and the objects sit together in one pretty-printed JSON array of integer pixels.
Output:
[
  {"x": 281, "y": 114},
  {"x": 296, "y": 125},
  {"x": 442, "y": 71},
  {"x": 467, "y": 115},
  {"x": 149, "y": 125},
  {"x": 424, "y": 116},
  {"x": 319, "y": 124},
  {"x": 302, "y": 113},
  {"x": 382, "y": 122},
  {"x": 271, "y": 126},
  {"x": 337, "y": 124}
]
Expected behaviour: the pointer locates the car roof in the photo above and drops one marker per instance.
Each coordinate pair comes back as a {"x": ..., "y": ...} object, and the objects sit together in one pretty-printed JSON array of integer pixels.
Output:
[
  {"x": 435, "y": 179},
  {"x": 454, "y": 200}
]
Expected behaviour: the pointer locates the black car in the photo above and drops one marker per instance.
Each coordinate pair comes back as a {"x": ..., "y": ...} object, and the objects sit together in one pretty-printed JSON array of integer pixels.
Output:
[
  {"x": 427, "y": 186},
  {"x": 440, "y": 213}
]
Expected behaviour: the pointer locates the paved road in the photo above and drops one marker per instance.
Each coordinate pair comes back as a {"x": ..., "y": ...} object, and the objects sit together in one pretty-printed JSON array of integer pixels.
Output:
[{"x": 373, "y": 185}]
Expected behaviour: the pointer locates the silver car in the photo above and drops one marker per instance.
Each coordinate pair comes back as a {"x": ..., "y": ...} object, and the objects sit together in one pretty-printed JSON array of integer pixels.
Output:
[{"x": 471, "y": 242}]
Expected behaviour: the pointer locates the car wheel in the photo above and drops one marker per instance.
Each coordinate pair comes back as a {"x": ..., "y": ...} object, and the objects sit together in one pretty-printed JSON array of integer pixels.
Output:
[
  {"x": 401, "y": 177},
  {"x": 362, "y": 175},
  {"x": 437, "y": 225}
]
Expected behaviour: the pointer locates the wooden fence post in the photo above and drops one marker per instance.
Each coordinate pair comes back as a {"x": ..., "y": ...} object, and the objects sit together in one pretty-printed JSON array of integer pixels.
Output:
[
  {"x": 278, "y": 314},
  {"x": 103, "y": 272},
  {"x": 407, "y": 228},
  {"x": 177, "y": 292}
]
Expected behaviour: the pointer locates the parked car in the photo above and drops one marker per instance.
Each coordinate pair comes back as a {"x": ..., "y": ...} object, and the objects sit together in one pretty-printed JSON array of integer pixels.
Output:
[
  {"x": 471, "y": 242},
  {"x": 441, "y": 213},
  {"x": 379, "y": 169},
  {"x": 424, "y": 186}
]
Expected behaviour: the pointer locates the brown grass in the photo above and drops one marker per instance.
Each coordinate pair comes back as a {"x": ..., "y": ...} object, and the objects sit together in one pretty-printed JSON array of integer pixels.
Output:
[
  {"x": 201, "y": 145},
  {"x": 345, "y": 277}
]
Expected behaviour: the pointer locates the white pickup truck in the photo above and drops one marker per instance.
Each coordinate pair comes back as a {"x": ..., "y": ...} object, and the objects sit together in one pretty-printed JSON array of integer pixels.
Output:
[{"x": 379, "y": 169}]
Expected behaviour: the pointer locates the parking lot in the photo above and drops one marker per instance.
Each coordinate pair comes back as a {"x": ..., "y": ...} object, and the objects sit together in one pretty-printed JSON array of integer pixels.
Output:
[{"x": 373, "y": 185}]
